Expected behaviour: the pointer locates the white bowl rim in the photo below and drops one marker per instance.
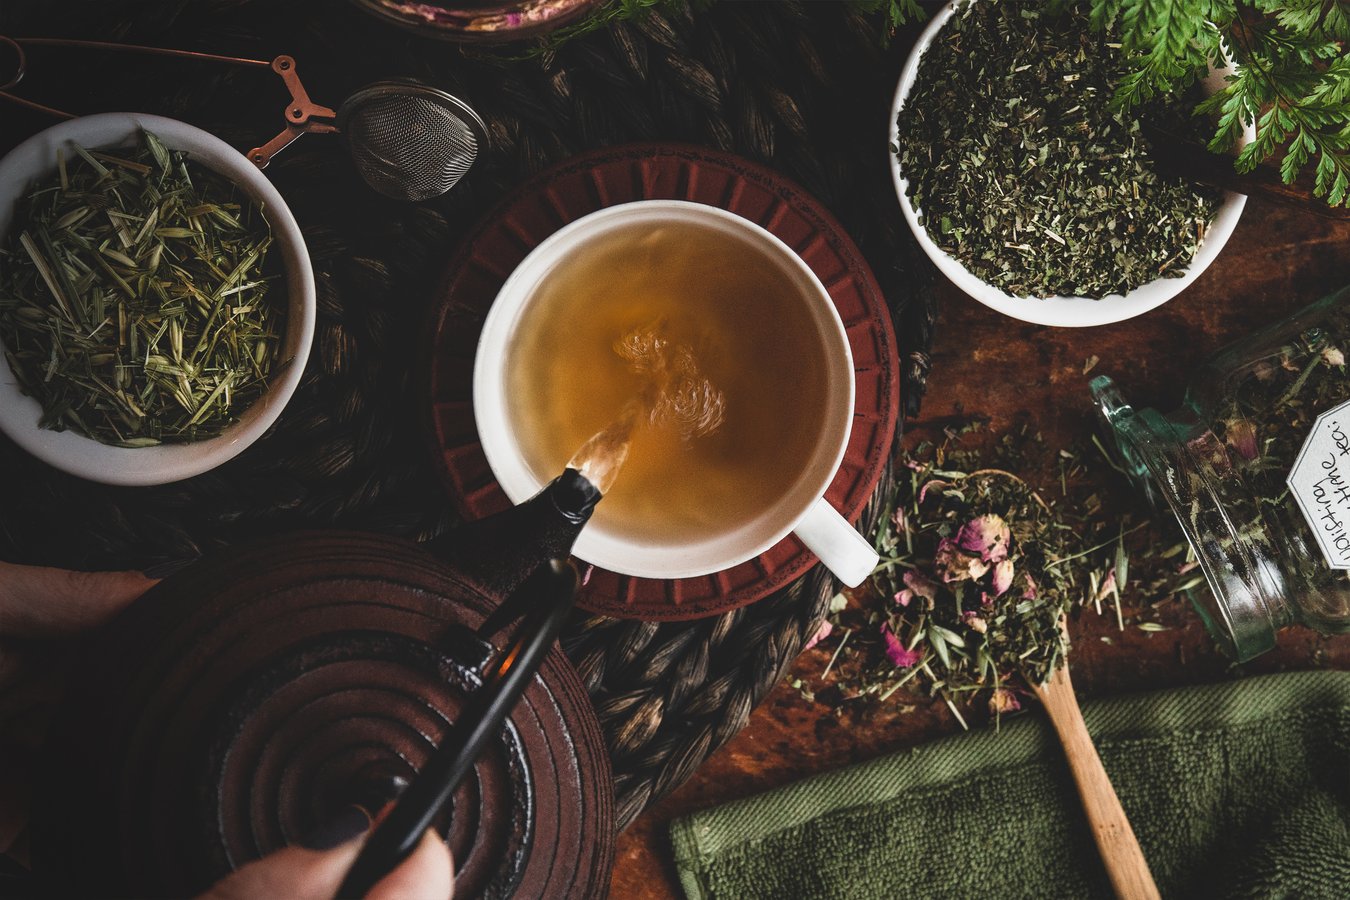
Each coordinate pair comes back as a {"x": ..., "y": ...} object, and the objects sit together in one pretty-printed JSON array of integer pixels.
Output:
[
  {"x": 87, "y": 458},
  {"x": 1071, "y": 312},
  {"x": 597, "y": 546}
]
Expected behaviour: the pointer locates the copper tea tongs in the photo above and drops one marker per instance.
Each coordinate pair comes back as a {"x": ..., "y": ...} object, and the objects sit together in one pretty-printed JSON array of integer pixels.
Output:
[
  {"x": 410, "y": 141},
  {"x": 302, "y": 115}
]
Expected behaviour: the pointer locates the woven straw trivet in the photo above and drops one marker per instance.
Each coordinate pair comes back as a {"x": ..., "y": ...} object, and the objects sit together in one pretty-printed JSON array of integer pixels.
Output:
[{"x": 802, "y": 88}]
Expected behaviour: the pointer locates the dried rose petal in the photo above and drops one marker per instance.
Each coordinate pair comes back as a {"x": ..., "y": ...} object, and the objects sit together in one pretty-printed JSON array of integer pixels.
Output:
[
  {"x": 1003, "y": 576},
  {"x": 1002, "y": 701},
  {"x": 953, "y": 564},
  {"x": 903, "y": 597},
  {"x": 821, "y": 634},
  {"x": 936, "y": 484},
  {"x": 1332, "y": 356},
  {"x": 921, "y": 584},
  {"x": 975, "y": 622},
  {"x": 895, "y": 651},
  {"x": 1030, "y": 592},
  {"x": 1241, "y": 436},
  {"x": 986, "y": 535}
]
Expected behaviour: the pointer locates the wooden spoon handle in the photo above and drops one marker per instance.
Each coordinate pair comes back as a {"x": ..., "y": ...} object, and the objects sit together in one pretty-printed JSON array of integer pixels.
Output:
[{"x": 1124, "y": 860}]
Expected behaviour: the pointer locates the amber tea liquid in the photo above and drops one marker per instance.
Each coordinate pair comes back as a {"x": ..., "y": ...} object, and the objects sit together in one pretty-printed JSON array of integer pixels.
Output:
[{"x": 730, "y": 419}]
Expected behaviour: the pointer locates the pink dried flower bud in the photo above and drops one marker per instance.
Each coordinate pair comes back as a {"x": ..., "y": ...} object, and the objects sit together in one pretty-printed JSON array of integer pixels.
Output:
[
  {"x": 1332, "y": 356},
  {"x": 986, "y": 535},
  {"x": 1003, "y": 701},
  {"x": 903, "y": 597},
  {"x": 975, "y": 622},
  {"x": 1240, "y": 434}
]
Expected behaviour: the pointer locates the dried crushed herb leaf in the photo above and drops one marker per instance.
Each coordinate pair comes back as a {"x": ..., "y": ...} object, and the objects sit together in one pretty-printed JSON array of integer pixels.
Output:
[
  {"x": 134, "y": 297},
  {"x": 1025, "y": 173}
]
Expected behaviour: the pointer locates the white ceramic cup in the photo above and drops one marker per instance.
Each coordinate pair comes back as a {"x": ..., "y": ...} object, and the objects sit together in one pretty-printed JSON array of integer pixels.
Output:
[{"x": 800, "y": 506}]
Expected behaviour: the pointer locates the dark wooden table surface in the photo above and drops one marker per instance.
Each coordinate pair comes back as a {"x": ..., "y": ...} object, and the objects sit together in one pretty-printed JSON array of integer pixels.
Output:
[{"x": 1276, "y": 262}]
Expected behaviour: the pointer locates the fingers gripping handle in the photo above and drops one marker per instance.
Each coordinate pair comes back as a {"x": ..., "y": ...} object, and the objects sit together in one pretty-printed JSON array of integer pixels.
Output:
[{"x": 840, "y": 547}]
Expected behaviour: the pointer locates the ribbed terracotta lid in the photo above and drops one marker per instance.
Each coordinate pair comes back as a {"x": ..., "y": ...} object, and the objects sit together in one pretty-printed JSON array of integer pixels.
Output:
[{"x": 241, "y": 703}]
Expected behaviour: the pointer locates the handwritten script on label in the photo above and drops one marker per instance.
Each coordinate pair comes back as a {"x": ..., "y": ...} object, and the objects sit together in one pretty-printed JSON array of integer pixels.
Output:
[{"x": 1320, "y": 483}]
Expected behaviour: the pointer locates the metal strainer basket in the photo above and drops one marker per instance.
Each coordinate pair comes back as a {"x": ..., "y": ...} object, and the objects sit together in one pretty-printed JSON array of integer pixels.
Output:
[{"x": 409, "y": 140}]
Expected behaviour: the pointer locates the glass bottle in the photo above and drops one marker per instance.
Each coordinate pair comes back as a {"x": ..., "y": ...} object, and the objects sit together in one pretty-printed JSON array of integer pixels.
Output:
[{"x": 1255, "y": 465}]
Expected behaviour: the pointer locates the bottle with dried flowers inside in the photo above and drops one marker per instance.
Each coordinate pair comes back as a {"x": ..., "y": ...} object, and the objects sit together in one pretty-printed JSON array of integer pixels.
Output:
[{"x": 1256, "y": 466}]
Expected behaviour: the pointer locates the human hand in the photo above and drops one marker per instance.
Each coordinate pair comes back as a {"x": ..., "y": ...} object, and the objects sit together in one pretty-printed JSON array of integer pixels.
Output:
[
  {"x": 37, "y": 606},
  {"x": 299, "y": 874}
]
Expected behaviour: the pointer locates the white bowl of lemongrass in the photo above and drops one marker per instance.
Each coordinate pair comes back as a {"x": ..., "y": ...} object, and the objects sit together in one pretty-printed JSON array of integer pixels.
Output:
[{"x": 156, "y": 299}]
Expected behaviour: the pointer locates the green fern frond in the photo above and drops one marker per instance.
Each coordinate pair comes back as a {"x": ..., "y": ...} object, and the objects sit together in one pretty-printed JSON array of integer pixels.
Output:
[
  {"x": 895, "y": 12},
  {"x": 1292, "y": 81},
  {"x": 1318, "y": 19}
]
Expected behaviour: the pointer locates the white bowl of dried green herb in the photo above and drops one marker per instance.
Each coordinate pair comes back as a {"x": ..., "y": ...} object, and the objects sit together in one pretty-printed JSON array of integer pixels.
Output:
[
  {"x": 156, "y": 299},
  {"x": 1042, "y": 202}
]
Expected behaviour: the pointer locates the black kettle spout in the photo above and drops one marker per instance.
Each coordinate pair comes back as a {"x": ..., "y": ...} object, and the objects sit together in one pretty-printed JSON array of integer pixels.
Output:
[{"x": 504, "y": 549}]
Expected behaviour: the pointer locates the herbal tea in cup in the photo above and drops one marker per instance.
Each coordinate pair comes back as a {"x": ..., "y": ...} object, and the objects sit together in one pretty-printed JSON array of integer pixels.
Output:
[{"x": 702, "y": 367}]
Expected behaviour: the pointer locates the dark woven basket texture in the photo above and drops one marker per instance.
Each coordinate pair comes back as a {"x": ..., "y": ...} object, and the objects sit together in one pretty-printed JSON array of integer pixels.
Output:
[{"x": 803, "y": 88}]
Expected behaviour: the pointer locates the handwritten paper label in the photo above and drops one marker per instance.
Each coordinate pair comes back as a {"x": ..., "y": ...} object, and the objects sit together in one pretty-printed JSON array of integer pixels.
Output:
[{"x": 1320, "y": 482}]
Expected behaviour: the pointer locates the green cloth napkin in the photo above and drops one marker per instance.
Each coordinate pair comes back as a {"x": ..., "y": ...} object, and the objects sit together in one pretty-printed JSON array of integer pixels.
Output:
[{"x": 1234, "y": 790}]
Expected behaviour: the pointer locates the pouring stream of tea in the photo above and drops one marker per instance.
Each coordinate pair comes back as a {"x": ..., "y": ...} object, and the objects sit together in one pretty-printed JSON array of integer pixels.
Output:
[{"x": 675, "y": 393}]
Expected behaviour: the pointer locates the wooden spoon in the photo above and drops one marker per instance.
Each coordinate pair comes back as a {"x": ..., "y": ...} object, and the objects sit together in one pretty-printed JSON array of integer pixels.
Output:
[{"x": 1125, "y": 863}]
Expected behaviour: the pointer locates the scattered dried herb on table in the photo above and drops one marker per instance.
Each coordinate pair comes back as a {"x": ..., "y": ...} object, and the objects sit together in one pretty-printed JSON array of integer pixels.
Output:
[
  {"x": 134, "y": 298},
  {"x": 1025, "y": 174},
  {"x": 977, "y": 568}
]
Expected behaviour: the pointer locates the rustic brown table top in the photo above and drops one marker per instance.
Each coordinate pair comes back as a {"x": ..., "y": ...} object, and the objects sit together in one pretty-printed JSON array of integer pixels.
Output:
[{"x": 1277, "y": 261}]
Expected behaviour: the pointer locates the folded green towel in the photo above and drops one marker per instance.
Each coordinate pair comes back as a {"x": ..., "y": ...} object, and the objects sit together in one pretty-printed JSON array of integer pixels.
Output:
[{"x": 1234, "y": 790}]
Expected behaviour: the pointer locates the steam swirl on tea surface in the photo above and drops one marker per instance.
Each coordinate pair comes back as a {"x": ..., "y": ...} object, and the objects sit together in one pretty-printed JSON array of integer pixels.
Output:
[{"x": 677, "y": 396}]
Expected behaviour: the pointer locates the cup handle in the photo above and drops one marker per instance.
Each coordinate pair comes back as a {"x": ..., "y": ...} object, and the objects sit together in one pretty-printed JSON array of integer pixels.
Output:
[{"x": 840, "y": 547}]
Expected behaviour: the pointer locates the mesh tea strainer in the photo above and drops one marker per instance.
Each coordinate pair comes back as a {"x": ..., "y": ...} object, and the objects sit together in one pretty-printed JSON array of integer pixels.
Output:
[{"x": 409, "y": 140}]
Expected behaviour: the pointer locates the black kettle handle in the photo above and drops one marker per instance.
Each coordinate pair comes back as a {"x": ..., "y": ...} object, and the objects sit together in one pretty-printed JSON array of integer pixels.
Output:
[{"x": 546, "y": 596}]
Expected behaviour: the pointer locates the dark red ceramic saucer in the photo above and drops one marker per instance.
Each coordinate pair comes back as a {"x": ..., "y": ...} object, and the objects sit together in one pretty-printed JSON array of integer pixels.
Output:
[{"x": 608, "y": 177}]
